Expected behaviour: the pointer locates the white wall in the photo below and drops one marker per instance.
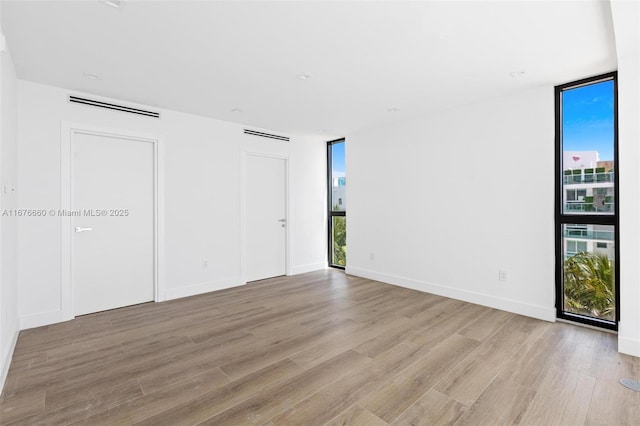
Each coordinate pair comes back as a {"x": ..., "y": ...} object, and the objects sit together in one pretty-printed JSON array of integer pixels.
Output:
[
  {"x": 464, "y": 206},
  {"x": 626, "y": 20},
  {"x": 8, "y": 201},
  {"x": 459, "y": 225},
  {"x": 202, "y": 160}
]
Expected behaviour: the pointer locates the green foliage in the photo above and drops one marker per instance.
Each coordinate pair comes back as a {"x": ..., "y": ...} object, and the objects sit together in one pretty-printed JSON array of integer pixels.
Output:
[
  {"x": 340, "y": 240},
  {"x": 589, "y": 285},
  {"x": 588, "y": 206}
]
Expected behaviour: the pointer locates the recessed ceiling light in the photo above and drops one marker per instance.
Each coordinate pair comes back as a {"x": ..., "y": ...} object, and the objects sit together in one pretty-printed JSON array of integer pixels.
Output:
[
  {"x": 394, "y": 109},
  {"x": 91, "y": 76},
  {"x": 236, "y": 110},
  {"x": 303, "y": 76},
  {"x": 516, "y": 74},
  {"x": 112, "y": 3}
]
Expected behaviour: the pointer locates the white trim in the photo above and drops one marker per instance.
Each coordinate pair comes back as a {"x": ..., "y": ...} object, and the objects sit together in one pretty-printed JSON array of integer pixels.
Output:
[
  {"x": 159, "y": 231},
  {"x": 201, "y": 288},
  {"x": 67, "y": 132},
  {"x": 7, "y": 357},
  {"x": 43, "y": 318},
  {"x": 243, "y": 210},
  {"x": 534, "y": 311},
  {"x": 628, "y": 346},
  {"x": 310, "y": 267}
]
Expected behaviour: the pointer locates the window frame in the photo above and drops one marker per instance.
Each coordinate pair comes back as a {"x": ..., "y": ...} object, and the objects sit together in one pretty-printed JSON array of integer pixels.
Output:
[
  {"x": 330, "y": 212},
  {"x": 564, "y": 218}
]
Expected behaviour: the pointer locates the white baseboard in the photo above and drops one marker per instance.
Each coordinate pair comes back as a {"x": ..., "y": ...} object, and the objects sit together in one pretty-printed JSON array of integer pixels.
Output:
[
  {"x": 517, "y": 307},
  {"x": 53, "y": 317},
  {"x": 6, "y": 359},
  {"x": 200, "y": 288},
  {"x": 628, "y": 346},
  {"x": 42, "y": 318},
  {"x": 311, "y": 267}
]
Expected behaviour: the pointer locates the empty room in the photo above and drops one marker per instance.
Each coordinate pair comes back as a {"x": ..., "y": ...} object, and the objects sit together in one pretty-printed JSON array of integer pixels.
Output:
[{"x": 319, "y": 212}]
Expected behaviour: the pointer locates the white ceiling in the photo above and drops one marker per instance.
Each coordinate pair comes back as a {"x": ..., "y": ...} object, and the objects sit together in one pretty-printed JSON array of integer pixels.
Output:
[{"x": 364, "y": 58}]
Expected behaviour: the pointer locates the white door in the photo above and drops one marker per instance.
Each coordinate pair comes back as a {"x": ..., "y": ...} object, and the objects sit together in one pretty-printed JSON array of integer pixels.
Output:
[
  {"x": 113, "y": 237},
  {"x": 265, "y": 217}
]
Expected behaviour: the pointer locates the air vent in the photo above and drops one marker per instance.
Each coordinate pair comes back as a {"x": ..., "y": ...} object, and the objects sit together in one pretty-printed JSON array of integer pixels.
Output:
[
  {"x": 266, "y": 135},
  {"x": 91, "y": 102}
]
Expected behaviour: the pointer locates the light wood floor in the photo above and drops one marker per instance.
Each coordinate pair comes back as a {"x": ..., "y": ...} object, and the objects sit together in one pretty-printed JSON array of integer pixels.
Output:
[{"x": 319, "y": 348}]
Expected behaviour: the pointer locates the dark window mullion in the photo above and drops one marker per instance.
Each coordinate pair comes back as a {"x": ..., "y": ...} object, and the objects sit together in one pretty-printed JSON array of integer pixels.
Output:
[{"x": 588, "y": 220}]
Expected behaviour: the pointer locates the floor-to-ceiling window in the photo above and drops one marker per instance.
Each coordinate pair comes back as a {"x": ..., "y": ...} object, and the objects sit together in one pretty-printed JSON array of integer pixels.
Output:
[
  {"x": 337, "y": 203},
  {"x": 587, "y": 202}
]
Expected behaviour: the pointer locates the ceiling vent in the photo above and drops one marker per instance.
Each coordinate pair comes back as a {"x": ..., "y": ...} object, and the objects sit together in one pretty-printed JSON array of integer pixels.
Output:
[
  {"x": 105, "y": 105},
  {"x": 266, "y": 135}
]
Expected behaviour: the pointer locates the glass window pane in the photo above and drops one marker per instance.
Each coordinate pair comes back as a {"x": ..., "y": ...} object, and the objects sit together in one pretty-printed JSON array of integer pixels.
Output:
[
  {"x": 338, "y": 178},
  {"x": 589, "y": 271},
  {"x": 588, "y": 149},
  {"x": 339, "y": 240}
]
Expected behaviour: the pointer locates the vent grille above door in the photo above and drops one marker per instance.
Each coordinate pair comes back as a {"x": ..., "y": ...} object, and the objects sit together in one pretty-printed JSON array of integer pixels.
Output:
[
  {"x": 115, "y": 107},
  {"x": 266, "y": 135}
]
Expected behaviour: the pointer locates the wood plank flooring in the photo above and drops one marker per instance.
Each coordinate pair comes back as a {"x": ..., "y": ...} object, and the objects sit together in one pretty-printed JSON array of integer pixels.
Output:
[{"x": 314, "y": 349}]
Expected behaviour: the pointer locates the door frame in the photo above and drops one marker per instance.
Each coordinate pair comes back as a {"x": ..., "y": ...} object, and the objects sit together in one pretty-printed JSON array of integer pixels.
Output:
[
  {"x": 68, "y": 131},
  {"x": 243, "y": 209}
]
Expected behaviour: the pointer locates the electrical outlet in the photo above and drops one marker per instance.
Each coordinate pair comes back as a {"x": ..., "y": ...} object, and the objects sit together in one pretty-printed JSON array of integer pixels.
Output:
[
  {"x": 205, "y": 264},
  {"x": 502, "y": 275},
  {"x": 372, "y": 256}
]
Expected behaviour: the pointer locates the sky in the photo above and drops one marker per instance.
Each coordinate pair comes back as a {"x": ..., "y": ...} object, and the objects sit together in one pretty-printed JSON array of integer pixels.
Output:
[
  {"x": 587, "y": 119},
  {"x": 337, "y": 158}
]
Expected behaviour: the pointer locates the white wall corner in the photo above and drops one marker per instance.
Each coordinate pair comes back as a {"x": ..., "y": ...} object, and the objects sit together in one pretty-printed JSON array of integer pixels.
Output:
[
  {"x": 626, "y": 26},
  {"x": 534, "y": 311}
]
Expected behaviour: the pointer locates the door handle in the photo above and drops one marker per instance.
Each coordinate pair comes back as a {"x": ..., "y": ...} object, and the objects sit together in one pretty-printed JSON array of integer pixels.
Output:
[
  {"x": 282, "y": 220},
  {"x": 81, "y": 229}
]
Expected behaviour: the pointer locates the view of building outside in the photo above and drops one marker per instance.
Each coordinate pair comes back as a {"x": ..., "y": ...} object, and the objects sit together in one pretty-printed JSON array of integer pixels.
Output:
[
  {"x": 588, "y": 183},
  {"x": 589, "y": 249},
  {"x": 338, "y": 194}
]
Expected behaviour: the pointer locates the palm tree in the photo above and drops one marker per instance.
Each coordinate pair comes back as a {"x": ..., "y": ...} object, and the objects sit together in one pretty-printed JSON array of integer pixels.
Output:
[
  {"x": 340, "y": 240},
  {"x": 589, "y": 285}
]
